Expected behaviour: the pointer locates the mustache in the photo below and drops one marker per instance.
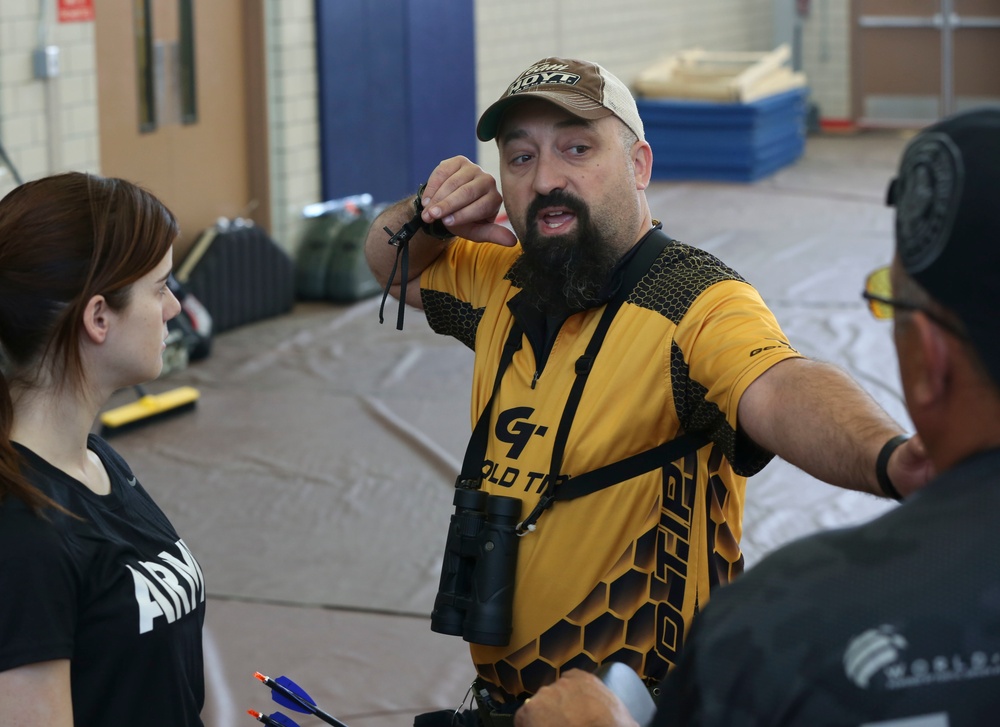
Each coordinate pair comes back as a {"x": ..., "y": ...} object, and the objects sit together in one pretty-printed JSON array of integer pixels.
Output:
[{"x": 556, "y": 198}]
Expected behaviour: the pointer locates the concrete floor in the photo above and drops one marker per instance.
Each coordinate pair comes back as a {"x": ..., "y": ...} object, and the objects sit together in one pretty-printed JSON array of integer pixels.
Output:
[{"x": 314, "y": 479}]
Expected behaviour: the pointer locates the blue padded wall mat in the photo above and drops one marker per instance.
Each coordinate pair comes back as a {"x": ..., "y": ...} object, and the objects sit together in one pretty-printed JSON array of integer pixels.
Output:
[{"x": 704, "y": 140}]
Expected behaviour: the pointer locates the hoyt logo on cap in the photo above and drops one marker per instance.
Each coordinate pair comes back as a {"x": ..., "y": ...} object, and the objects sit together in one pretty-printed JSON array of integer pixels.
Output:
[
  {"x": 583, "y": 88},
  {"x": 533, "y": 77}
]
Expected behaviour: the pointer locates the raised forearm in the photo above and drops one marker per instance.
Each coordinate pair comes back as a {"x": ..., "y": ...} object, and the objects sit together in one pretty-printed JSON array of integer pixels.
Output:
[{"x": 459, "y": 196}]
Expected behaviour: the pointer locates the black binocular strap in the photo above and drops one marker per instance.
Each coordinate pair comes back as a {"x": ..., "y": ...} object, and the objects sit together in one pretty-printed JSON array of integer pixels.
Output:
[
  {"x": 610, "y": 474},
  {"x": 635, "y": 269},
  {"x": 626, "y": 469},
  {"x": 475, "y": 452}
]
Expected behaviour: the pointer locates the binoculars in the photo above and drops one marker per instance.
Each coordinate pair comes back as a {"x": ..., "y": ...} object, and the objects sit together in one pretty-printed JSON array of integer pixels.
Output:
[{"x": 476, "y": 592}]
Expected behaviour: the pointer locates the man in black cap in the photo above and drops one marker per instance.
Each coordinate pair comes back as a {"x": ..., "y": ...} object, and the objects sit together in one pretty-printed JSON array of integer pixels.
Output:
[
  {"x": 627, "y": 385},
  {"x": 895, "y": 622}
]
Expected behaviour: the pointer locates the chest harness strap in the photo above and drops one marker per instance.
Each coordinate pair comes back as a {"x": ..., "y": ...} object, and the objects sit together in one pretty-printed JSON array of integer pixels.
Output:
[{"x": 602, "y": 477}]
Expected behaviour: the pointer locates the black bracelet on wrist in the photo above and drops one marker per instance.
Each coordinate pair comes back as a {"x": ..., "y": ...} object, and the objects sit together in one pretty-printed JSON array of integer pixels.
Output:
[
  {"x": 882, "y": 466},
  {"x": 435, "y": 229}
]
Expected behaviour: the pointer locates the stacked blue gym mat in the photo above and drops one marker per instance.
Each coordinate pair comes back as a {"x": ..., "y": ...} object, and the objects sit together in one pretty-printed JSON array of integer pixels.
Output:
[{"x": 719, "y": 141}]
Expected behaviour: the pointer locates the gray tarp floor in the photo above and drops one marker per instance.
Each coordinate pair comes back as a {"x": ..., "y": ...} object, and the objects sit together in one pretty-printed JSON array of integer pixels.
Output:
[{"x": 314, "y": 479}]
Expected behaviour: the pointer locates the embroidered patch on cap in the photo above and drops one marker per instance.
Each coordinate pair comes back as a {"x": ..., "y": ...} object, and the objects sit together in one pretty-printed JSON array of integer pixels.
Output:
[
  {"x": 927, "y": 195},
  {"x": 530, "y": 80}
]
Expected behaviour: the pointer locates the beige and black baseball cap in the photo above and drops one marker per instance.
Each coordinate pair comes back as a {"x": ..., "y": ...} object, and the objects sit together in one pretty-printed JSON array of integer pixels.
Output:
[{"x": 583, "y": 88}]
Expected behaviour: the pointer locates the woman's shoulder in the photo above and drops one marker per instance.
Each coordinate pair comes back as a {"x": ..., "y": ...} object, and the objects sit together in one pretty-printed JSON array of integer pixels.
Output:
[{"x": 29, "y": 535}]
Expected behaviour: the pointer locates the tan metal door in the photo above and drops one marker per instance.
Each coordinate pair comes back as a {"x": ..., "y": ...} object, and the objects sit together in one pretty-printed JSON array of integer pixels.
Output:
[
  {"x": 186, "y": 138},
  {"x": 915, "y": 61}
]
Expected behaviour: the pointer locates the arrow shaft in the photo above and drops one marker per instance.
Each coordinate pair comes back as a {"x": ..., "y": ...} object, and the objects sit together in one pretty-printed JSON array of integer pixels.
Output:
[{"x": 303, "y": 703}]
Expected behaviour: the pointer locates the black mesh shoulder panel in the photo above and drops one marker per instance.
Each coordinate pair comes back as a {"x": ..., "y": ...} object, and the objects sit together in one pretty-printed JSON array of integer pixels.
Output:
[
  {"x": 697, "y": 414},
  {"x": 675, "y": 279},
  {"x": 450, "y": 316}
]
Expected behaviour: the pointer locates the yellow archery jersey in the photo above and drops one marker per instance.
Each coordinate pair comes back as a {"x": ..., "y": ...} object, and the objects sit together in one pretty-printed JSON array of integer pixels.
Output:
[{"x": 616, "y": 575}]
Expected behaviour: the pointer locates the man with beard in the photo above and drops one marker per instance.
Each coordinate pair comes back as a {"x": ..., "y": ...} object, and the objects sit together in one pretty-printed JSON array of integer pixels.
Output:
[
  {"x": 896, "y": 621},
  {"x": 626, "y": 385}
]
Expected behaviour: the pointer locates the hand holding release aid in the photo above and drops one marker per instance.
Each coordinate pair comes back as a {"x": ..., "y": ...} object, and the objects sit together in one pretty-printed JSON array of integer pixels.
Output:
[{"x": 400, "y": 240}]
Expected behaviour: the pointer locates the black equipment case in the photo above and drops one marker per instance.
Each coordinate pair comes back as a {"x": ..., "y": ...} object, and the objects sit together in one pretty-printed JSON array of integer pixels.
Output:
[{"x": 239, "y": 274}]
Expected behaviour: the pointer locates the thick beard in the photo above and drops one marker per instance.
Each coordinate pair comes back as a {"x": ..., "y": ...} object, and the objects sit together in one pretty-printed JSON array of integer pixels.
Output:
[{"x": 566, "y": 273}]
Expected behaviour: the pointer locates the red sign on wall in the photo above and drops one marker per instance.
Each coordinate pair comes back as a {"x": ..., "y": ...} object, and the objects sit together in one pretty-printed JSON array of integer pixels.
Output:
[{"x": 76, "y": 11}]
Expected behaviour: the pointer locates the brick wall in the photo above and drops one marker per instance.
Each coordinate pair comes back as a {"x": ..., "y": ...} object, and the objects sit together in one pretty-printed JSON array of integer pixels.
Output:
[
  {"x": 623, "y": 35},
  {"x": 293, "y": 107},
  {"x": 46, "y": 126},
  {"x": 25, "y": 121}
]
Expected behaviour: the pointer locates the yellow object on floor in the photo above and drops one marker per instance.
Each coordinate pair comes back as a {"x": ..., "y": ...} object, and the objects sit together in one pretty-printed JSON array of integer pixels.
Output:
[{"x": 148, "y": 407}]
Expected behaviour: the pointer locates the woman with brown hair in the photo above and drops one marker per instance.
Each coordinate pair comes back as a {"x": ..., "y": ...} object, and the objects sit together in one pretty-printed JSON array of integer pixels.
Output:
[{"x": 102, "y": 602}]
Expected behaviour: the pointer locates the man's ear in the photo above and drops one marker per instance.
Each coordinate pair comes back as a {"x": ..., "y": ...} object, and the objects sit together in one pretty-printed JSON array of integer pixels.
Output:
[
  {"x": 97, "y": 319},
  {"x": 642, "y": 161},
  {"x": 936, "y": 366}
]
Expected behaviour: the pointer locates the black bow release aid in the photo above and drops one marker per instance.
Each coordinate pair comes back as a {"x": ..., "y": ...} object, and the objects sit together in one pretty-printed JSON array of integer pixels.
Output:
[{"x": 401, "y": 240}]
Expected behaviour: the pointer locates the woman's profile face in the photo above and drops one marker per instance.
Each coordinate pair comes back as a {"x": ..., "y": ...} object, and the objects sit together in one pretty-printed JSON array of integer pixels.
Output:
[{"x": 136, "y": 339}]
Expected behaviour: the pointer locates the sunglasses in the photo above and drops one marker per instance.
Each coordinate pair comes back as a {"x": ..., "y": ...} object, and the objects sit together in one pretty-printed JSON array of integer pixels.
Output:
[{"x": 878, "y": 293}]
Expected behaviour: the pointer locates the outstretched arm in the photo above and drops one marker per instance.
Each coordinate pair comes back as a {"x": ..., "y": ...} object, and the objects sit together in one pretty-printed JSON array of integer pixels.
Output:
[
  {"x": 816, "y": 417},
  {"x": 462, "y": 197}
]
